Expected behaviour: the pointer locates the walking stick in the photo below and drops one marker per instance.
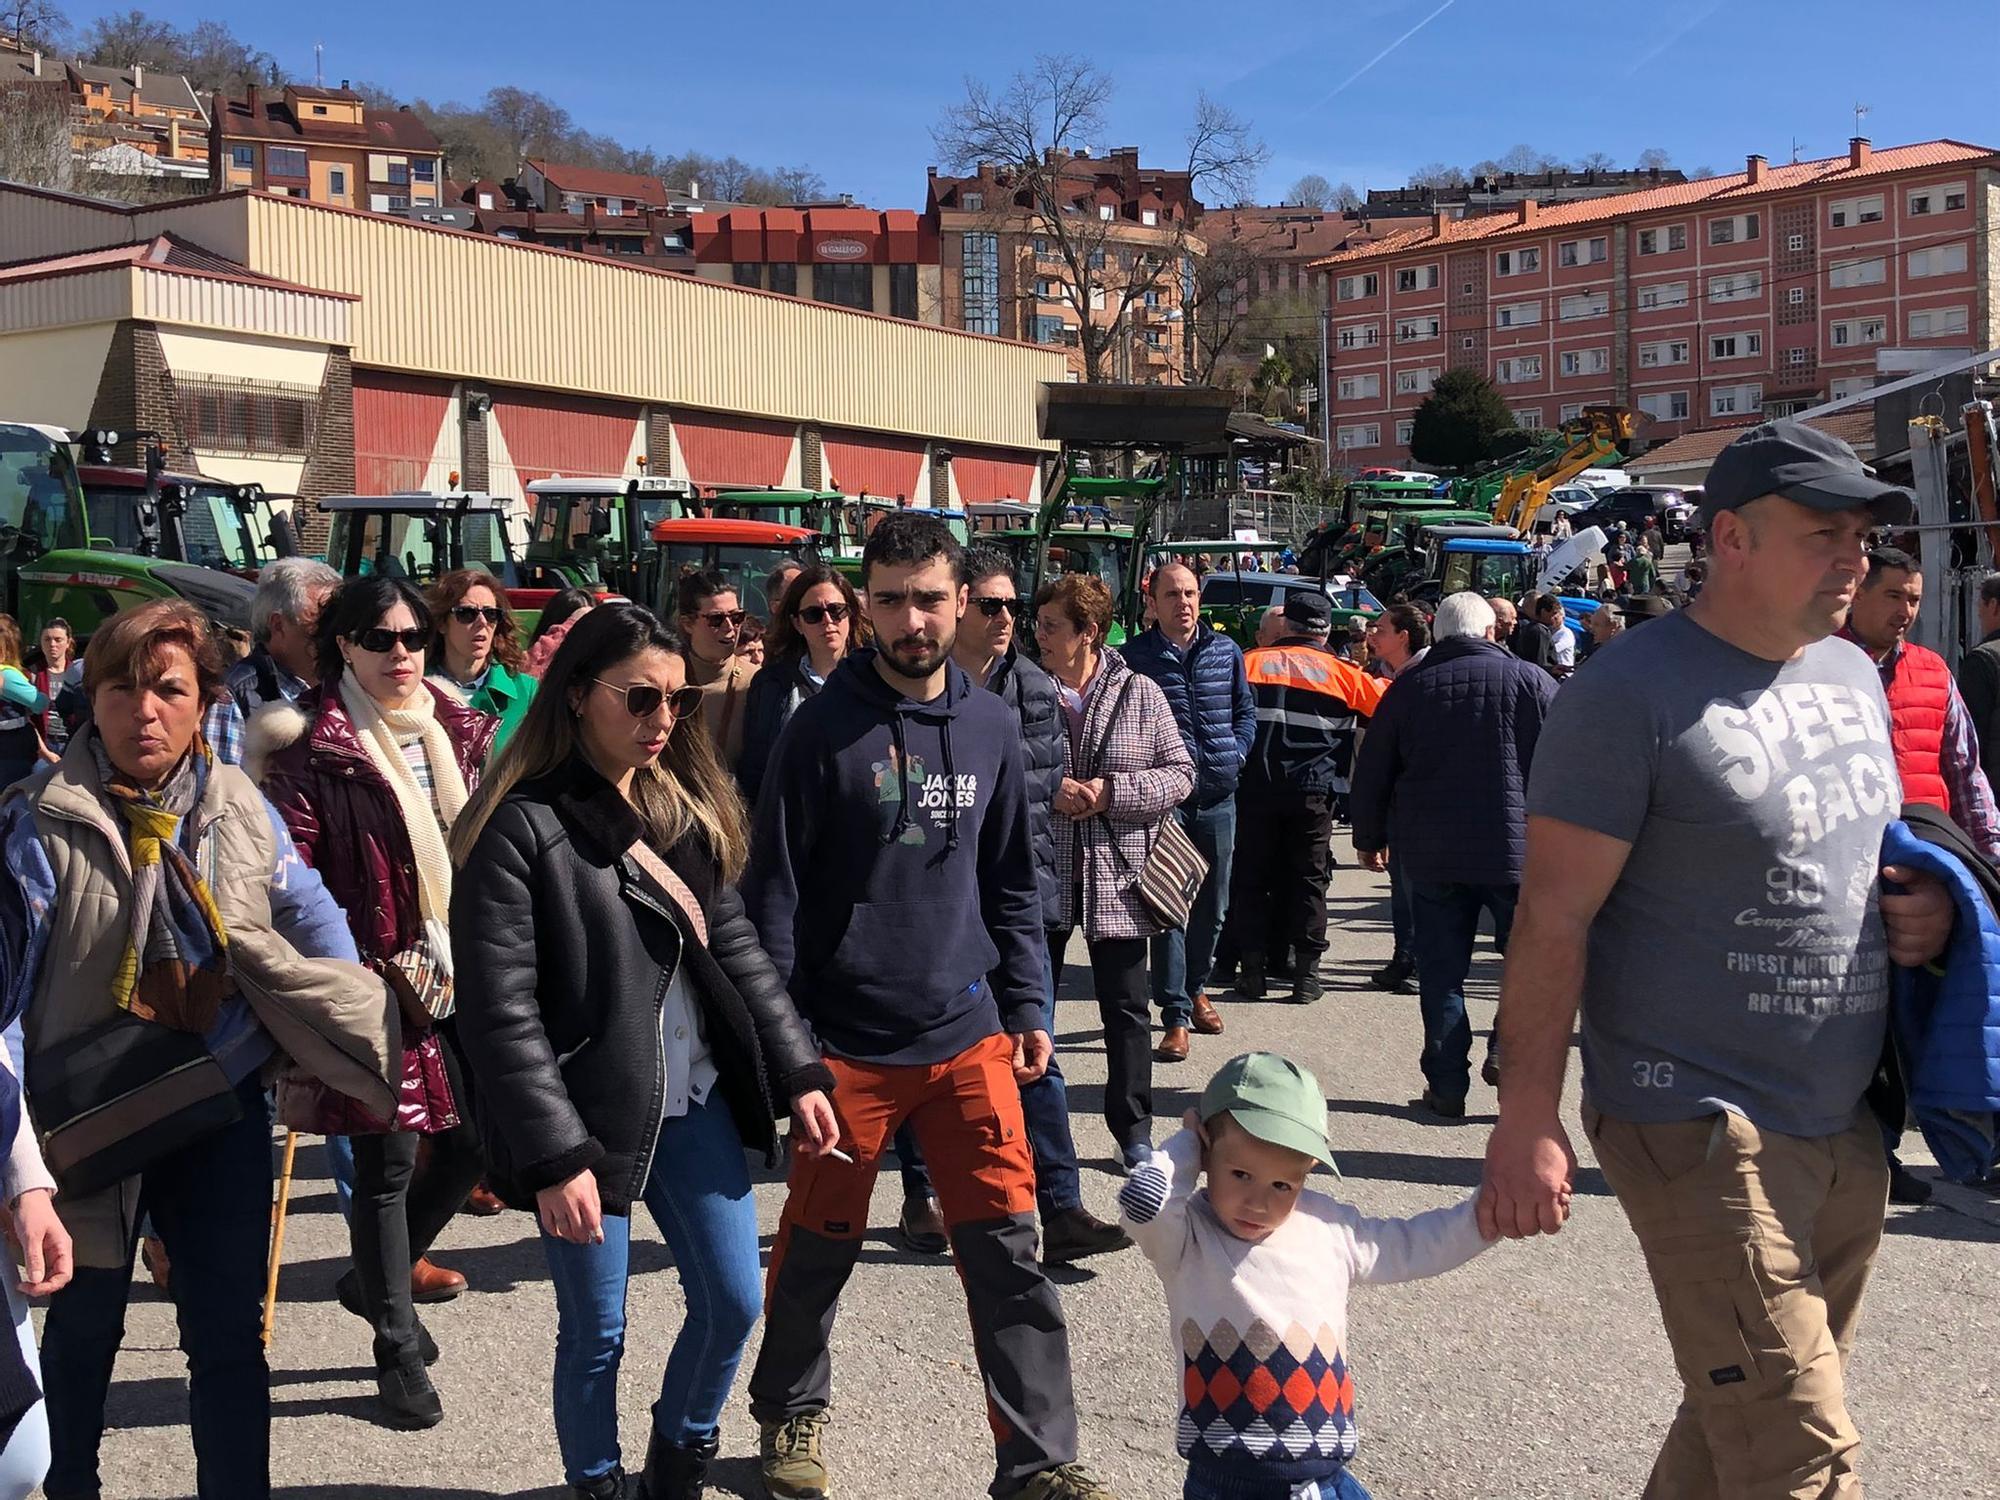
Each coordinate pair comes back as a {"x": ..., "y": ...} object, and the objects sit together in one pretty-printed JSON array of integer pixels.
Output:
[{"x": 278, "y": 1234}]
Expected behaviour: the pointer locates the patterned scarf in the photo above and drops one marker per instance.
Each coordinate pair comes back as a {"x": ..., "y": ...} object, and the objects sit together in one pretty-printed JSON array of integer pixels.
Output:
[{"x": 175, "y": 969}]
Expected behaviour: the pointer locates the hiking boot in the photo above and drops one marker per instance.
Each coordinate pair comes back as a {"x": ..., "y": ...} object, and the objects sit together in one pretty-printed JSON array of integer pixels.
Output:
[
  {"x": 409, "y": 1400},
  {"x": 1173, "y": 1045},
  {"x": 1207, "y": 1019},
  {"x": 1307, "y": 989},
  {"x": 1395, "y": 975},
  {"x": 1077, "y": 1233},
  {"x": 677, "y": 1471},
  {"x": 347, "y": 1291},
  {"x": 789, "y": 1455},
  {"x": 1063, "y": 1482},
  {"x": 922, "y": 1225}
]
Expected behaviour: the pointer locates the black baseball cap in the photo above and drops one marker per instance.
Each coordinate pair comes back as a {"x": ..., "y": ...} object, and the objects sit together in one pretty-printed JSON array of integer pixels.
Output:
[
  {"x": 1813, "y": 468},
  {"x": 1308, "y": 609}
]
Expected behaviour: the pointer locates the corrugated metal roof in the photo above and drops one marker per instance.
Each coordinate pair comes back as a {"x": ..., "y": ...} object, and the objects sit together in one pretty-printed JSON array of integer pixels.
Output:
[
  {"x": 1854, "y": 428},
  {"x": 1710, "y": 192}
]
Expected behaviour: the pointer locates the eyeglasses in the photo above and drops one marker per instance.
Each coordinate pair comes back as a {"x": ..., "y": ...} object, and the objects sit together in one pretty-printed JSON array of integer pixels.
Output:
[
  {"x": 380, "y": 641},
  {"x": 718, "y": 618},
  {"x": 643, "y": 698},
  {"x": 472, "y": 614},
  {"x": 819, "y": 614},
  {"x": 990, "y": 606}
]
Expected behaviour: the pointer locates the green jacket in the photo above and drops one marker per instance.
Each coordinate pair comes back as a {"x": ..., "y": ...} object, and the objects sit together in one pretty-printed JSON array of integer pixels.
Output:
[{"x": 505, "y": 695}]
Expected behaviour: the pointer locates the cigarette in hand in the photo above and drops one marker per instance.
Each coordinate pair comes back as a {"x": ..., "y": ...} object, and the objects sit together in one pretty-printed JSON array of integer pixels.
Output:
[{"x": 839, "y": 1155}]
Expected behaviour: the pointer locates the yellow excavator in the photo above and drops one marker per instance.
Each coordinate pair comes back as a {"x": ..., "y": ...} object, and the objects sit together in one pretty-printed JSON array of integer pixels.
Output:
[{"x": 1595, "y": 437}]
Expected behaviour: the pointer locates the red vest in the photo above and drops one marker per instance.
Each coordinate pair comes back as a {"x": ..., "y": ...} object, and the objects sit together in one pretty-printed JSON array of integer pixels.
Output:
[{"x": 1919, "y": 697}]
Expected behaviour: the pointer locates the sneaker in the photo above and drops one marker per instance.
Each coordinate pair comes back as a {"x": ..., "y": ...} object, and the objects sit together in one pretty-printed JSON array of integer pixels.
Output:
[
  {"x": 790, "y": 1458},
  {"x": 922, "y": 1225},
  {"x": 1064, "y": 1482},
  {"x": 1395, "y": 976},
  {"x": 409, "y": 1400},
  {"x": 1077, "y": 1233}
]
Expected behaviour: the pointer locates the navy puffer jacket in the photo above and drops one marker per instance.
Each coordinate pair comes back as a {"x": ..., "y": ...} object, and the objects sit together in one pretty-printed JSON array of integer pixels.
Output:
[
  {"x": 1031, "y": 693},
  {"x": 1210, "y": 697},
  {"x": 1442, "y": 777}
]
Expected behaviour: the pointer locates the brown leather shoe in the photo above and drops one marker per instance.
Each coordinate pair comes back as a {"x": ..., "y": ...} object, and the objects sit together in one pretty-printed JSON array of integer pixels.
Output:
[
  {"x": 1207, "y": 1019},
  {"x": 154, "y": 1249},
  {"x": 429, "y": 1283},
  {"x": 1173, "y": 1045},
  {"x": 922, "y": 1225},
  {"x": 483, "y": 1203}
]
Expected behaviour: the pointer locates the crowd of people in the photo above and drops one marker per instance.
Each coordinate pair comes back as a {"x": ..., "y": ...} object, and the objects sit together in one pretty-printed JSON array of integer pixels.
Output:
[{"x": 567, "y": 923}]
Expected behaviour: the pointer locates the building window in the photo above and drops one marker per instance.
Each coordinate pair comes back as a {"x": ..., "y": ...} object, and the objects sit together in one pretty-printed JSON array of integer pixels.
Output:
[
  {"x": 1405, "y": 430},
  {"x": 1665, "y": 406},
  {"x": 1152, "y": 297},
  {"x": 1795, "y": 296},
  {"x": 1735, "y": 400},
  {"x": 1663, "y": 294},
  {"x": 336, "y": 182},
  {"x": 1654, "y": 241},
  {"x": 1522, "y": 367},
  {"x": 319, "y": 109},
  {"x": 1665, "y": 352},
  {"x": 1732, "y": 230},
  {"x": 1851, "y": 331},
  {"x": 243, "y": 158},
  {"x": 1095, "y": 260},
  {"x": 1571, "y": 411},
  {"x": 1415, "y": 382},
  {"x": 1798, "y": 358},
  {"x": 1047, "y": 288},
  {"x": 845, "y": 286},
  {"x": 980, "y": 283},
  {"x": 974, "y": 203},
  {"x": 1845, "y": 273},
  {"x": 1938, "y": 260},
  {"x": 1469, "y": 341},
  {"x": 1150, "y": 217},
  {"x": 1358, "y": 388},
  {"x": 1527, "y": 416},
  {"x": 1936, "y": 322},
  {"x": 1795, "y": 243},
  {"x": 1584, "y": 305},
  {"x": 1954, "y": 198},
  {"x": 1353, "y": 288},
  {"x": 1735, "y": 345},
  {"x": 1517, "y": 314},
  {"x": 1360, "y": 336},
  {"x": 1586, "y": 361},
  {"x": 747, "y": 273},
  {"x": 1744, "y": 286},
  {"x": 903, "y": 292},
  {"x": 1049, "y": 330},
  {"x": 284, "y": 161},
  {"x": 399, "y": 174},
  {"x": 1156, "y": 338},
  {"x": 1416, "y": 278},
  {"x": 1517, "y": 262},
  {"x": 1582, "y": 252},
  {"x": 1041, "y": 247},
  {"x": 1414, "y": 330},
  {"x": 1851, "y": 211},
  {"x": 785, "y": 278},
  {"x": 245, "y": 416},
  {"x": 1106, "y": 212},
  {"x": 1362, "y": 435},
  {"x": 423, "y": 170}
]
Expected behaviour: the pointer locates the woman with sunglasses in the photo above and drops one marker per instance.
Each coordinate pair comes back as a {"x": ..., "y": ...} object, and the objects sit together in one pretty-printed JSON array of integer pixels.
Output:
[
  {"x": 476, "y": 655},
  {"x": 369, "y": 770},
  {"x": 627, "y": 1032},
  {"x": 812, "y": 628}
]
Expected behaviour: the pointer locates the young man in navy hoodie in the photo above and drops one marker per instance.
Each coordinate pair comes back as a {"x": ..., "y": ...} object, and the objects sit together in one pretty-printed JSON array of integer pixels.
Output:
[{"x": 892, "y": 880}]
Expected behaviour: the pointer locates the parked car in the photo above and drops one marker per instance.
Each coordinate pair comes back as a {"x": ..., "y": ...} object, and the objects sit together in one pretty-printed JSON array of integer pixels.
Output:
[
  {"x": 1672, "y": 506},
  {"x": 1235, "y": 602}
]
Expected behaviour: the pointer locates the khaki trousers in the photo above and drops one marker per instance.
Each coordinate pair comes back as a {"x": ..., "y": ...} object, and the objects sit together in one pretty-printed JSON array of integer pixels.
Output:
[{"x": 1759, "y": 1246}]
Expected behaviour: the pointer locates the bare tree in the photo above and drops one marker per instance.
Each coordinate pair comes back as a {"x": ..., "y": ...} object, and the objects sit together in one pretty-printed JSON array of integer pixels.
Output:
[
  {"x": 1034, "y": 133},
  {"x": 1437, "y": 174},
  {"x": 1655, "y": 156},
  {"x": 532, "y": 124},
  {"x": 1310, "y": 191},
  {"x": 798, "y": 185},
  {"x": 35, "y": 136},
  {"x": 34, "y": 23},
  {"x": 1219, "y": 308},
  {"x": 1596, "y": 161}
]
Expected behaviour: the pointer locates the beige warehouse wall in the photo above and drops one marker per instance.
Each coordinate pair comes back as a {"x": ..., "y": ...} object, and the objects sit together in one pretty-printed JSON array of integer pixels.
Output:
[
  {"x": 51, "y": 375},
  {"x": 242, "y": 357}
]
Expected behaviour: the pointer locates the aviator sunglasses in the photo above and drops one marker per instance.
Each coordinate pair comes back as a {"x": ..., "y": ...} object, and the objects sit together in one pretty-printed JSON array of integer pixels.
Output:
[{"x": 643, "y": 698}]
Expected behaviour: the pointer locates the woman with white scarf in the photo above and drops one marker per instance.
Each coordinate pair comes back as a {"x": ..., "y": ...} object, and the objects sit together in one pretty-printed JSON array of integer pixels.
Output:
[{"x": 368, "y": 771}]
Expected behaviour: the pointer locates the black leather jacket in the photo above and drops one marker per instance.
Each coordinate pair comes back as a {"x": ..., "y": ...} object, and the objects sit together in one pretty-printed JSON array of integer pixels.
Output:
[{"x": 564, "y": 950}]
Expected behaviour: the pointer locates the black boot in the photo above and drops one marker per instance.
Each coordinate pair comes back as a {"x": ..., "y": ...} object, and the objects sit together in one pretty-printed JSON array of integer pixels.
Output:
[
  {"x": 608, "y": 1486},
  {"x": 677, "y": 1471}
]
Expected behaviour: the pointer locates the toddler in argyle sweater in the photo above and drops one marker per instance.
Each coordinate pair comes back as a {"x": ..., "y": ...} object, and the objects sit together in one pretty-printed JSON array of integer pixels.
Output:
[{"x": 1256, "y": 1270}]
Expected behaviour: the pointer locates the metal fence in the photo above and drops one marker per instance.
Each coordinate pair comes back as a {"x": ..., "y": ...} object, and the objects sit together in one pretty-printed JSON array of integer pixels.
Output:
[{"x": 1275, "y": 515}]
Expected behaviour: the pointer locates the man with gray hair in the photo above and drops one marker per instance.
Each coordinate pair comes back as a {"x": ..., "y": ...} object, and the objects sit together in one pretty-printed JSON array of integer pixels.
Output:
[
  {"x": 1979, "y": 678},
  {"x": 284, "y": 613},
  {"x": 1442, "y": 779}
]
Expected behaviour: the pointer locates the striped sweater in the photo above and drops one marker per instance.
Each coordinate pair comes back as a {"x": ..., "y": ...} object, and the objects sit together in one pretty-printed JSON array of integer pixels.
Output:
[{"x": 1261, "y": 1328}]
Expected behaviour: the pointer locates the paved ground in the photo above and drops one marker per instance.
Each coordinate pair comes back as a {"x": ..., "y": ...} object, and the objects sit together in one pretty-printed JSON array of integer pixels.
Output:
[{"x": 1537, "y": 1371}]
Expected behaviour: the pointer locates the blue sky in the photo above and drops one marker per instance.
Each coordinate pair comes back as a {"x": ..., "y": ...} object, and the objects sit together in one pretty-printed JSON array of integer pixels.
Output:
[{"x": 853, "y": 90}]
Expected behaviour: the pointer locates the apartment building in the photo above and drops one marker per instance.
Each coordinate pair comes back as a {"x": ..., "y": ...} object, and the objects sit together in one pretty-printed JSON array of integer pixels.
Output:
[
  {"x": 1699, "y": 303},
  {"x": 131, "y": 120},
  {"x": 1002, "y": 272},
  {"x": 326, "y": 146}
]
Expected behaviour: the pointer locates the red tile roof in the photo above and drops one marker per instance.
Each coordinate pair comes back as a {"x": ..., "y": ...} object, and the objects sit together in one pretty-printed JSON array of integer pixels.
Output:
[
  {"x": 396, "y": 130},
  {"x": 1711, "y": 192},
  {"x": 595, "y": 182}
]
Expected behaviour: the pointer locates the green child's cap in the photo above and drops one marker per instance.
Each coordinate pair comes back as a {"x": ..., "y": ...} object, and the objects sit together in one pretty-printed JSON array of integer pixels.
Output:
[{"x": 1274, "y": 1099}]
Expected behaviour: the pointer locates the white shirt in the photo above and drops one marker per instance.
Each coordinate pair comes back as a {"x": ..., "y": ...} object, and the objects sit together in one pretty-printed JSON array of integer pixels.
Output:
[
  {"x": 690, "y": 1070},
  {"x": 1565, "y": 640}
]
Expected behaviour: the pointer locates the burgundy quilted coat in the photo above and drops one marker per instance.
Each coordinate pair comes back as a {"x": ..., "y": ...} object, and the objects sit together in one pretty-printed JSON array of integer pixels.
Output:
[{"x": 348, "y": 825}]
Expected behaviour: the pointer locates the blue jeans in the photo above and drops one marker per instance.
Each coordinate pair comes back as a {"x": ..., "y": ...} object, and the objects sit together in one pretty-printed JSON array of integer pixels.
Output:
[
  {"x": 1183, "y": 961},
  {"x": 211, "y": 1204},
  {"x": 1446, "y": 926},
  {"x": 340, "y": 1167},
  {"x": 1402, "y": 923},
  {"x": 699, "y": 1196},
  {"x": 25, "y": 1460},
  {"x": 1212, "y": 1482},
  {"x": 1045, "y": 1108}
]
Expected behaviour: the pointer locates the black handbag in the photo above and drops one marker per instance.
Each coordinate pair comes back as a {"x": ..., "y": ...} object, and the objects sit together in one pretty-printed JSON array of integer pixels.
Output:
[
  {"x": 121, "y": 1096},
  {"x": 1172, "y": 875}
]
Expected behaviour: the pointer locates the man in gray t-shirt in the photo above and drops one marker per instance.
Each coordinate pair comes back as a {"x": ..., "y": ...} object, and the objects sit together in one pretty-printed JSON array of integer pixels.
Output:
[{"x": 1704, "y": 879}]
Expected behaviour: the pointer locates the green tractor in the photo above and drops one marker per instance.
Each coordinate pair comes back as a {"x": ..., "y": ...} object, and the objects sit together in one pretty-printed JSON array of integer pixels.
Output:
[
  {"x": 64, "y": 556},
  {"x": 597, "y": 534},
  {"x": 419, "y": 537}
]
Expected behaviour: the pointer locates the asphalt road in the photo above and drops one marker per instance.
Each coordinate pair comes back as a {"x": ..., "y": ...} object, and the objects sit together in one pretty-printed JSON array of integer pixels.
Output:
[{"x": 1537, "y": 1371}]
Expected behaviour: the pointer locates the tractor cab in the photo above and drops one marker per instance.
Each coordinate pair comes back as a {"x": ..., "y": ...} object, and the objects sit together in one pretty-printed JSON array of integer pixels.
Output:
[
  {"x": 742, "y": 551},
  {"x": 595, "y": 533},
  {"x": 182, "y": 517}
]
